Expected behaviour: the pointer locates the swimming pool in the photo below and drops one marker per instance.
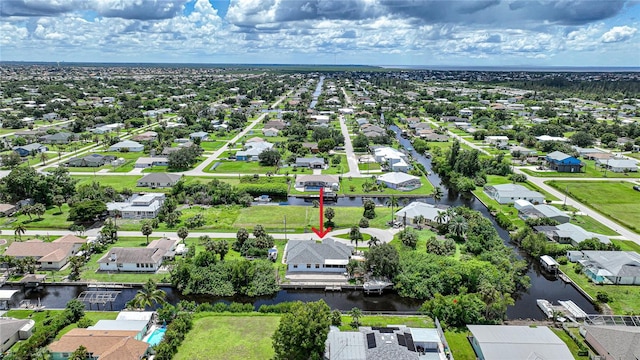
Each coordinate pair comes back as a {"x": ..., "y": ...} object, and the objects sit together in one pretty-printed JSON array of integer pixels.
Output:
[{"x": 156, "y": 336}]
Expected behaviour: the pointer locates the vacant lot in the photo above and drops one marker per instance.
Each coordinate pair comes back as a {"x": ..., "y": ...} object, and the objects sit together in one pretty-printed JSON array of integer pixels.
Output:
[
  {"x": 616, "y": 200},
  {"x": 236, "y": 337}
]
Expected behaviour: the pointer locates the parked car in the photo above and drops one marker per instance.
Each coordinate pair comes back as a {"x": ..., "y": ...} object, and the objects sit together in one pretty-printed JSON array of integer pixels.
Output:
[{"x": 636, "y": 187}]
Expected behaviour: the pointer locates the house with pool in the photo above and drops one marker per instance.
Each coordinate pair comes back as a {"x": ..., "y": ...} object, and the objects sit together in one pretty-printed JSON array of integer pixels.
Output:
[
  {"x": 101, "y": 344},
  {"x": 316, "y": 182}
]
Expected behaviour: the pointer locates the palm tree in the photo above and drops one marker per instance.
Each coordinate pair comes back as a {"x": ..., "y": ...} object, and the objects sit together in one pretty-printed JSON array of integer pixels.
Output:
[
  {"x": 19, "y": 230},
  {"x": 437, "y": 194},
  {"x": 43, "y": 157},
  {"x": 355, "y": 314},
  {"x": 355, "y": 235},
  {"x": 374, "y": 241},
  {"x": 146, "y": 230},
  {"x": 149, "y": 295},
  {"x": 441, "y": 217},
  {"x": 392, "y": 201},
  {"x": 458, "y": 226},
  {"x": 419, "y": 220}
]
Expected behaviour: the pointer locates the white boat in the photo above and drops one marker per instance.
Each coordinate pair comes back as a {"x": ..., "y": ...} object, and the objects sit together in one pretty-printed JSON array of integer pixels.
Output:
[
  {"x": 546, "y": 307},
  {"x": 375, "y": 285},
  {"x": 262, "y": 198}
]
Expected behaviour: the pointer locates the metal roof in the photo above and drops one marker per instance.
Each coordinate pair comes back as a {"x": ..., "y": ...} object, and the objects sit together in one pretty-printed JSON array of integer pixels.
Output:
[{"x": 499, "y": 342}]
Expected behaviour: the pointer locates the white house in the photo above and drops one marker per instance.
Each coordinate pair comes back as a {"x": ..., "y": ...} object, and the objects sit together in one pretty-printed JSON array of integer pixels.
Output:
[
  {"x": 618, "y": 165},
  {"x": 394, "y": 159},
  {"x": 202, "y": 135},
  {"x": 508, "y": 193},
  {"x": 429, "y": 212},
  {"x": 147, "y": 259},
  {"x": 139, "y": 206},
  {"x": 315, "y": 182},
  {"x": 400, "y": 181},
  {"x": 498, "y": 141},
  {"x": 14, "y": 330},
  {"x": 329, "y": 256},
  {"x": 147, "y": 162},
  {"x": 159, "y": 180},
  {"x": 544, "y": 138},
  {"x": 130, "y": 145},
  {"x": 107, "y": 128},
  {"x": 500, "y": 342},
  {"x": 612, "y": 267},
  {"x": 252, "y": 150},
  {"x": 465, "y": 113},
  {"x": 270, "y": 132}
]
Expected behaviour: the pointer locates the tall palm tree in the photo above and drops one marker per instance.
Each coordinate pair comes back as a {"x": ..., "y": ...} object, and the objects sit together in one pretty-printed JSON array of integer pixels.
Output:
[
  {"x": 419, "y": 220},
  {"x": 437, "y": 194},
  {"x": 19, "y": 229},
  {"x": 392, "y": 201},
  {"x": 149, "y": 295},
  {"x": 43, "y": 157},
  {"x": 355, "y": 235},
  {"x": 458, "y": 226},
  {"x": 441, "y": 218}
]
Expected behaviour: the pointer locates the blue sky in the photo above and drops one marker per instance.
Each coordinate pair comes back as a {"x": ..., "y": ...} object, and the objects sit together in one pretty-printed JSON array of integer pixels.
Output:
[{"x": 369, "y": 32}]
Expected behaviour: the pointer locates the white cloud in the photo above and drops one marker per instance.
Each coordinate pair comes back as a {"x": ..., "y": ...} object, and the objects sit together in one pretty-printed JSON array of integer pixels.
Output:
[{"x": 618, "y": 33}]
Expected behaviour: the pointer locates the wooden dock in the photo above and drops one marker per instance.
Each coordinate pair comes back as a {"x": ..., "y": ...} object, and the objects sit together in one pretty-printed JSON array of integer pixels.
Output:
[{"x": 564, "y": 277}]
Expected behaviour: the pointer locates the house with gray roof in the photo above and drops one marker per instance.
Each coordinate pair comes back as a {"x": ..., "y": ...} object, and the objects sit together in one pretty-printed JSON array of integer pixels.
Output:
[
  {"x": 400, "y": 181},
  {"x": 14, "y": 330},
  {"x": 500, "y": 342},
  {"x": 252, "y": 150},
  {"x": 148, "y": 259},
  {"x": 159, "y": 180},
  {"x": 315, "y": 182},
  {"x": 129, "y": 145},
  {"x": 91, "y": 160},
  {"x": 329, "y": 256},
  {"x": 58, "y": 138},
  {"x": 29, "y": 149},
  {"x": 310, "y": 162},
  {"x": 527, "y": 210},
  {"x": 508, "y": 193},
  {"x": 411, "y": 212},
  {"x": 614, "y": 342},
  {"x": 611, "y": 267},
  {"x": 618, "y": 165},
  {"x": 570, "y": 234}
]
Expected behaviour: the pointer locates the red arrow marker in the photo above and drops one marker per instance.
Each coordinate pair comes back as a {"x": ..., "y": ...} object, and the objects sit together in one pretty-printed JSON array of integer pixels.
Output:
[{"x": 322, "y": 232}]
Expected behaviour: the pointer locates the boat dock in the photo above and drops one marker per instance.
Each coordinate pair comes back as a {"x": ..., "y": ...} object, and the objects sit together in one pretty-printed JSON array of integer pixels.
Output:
[{"x": 566, "y": 309}]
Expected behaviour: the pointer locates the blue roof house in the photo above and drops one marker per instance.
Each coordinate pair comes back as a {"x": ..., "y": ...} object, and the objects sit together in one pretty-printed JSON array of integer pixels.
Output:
[{"x": 562, "y": 162}]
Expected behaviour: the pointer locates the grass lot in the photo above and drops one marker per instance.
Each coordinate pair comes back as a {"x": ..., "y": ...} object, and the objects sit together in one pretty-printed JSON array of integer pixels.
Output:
[
  {"x": 573, "y": 347},
  {"x": 590, "y": 224},
  {"x": 347, "y": 183},
  {"x": 460, "y": 346},
  {"x": 627, "y": 245},
  {"x": 369, "y": 166},
  {"x": 616, "y": 200},
  {"x": 590, "y": 171},
  {"x": 216, "y": 218},
  {"x": 384, "y": 320},
  {"x": 52, "y": 219},
  {"x": 39, "y": 317},
  {"x": 212, "y": 145},
  {"x": 242, "y": 337},
  {"x": 626, "y": 298},
  {"x": 241, "y": 167}
]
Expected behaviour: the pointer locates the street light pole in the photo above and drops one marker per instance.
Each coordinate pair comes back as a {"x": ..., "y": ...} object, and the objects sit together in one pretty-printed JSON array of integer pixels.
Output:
[{"x": 285, "y": 228}]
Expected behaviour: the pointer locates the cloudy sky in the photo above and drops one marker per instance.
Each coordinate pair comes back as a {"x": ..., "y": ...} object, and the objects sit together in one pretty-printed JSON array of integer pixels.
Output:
[{"x": 370, "y": 32}]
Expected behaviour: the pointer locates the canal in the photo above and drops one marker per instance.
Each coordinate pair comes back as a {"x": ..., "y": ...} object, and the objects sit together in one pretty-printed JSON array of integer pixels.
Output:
[{"x": 542, "y": 286}]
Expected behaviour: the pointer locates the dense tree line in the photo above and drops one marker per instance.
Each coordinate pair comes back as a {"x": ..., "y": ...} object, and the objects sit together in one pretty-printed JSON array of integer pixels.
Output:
[{"x": 25, "y": 183}]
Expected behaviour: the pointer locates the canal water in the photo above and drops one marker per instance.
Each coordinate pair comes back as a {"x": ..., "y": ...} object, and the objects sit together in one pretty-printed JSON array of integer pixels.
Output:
[
  {"x": 542, "y": 286},
  {"x": 316, "y": 93}
]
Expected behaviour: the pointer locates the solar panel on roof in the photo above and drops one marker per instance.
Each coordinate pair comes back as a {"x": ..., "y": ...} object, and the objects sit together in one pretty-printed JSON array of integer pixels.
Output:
[
  {"x": 410, "y": 345},
  {"x": 401, "y": 340},
  {"x": 371, "y": 341}
]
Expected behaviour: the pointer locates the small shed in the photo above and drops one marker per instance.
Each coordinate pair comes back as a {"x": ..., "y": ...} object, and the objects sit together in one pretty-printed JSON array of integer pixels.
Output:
[{"x": 7, "y": 297}]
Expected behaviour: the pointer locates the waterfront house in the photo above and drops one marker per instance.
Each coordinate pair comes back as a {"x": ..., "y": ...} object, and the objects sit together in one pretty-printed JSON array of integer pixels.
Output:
[
  {"x": 611, "y": 267},
  {"x": 129, "y": 145},
  {"x": 145, "y": 206},
  {"x": 570, "y": 234},
  {"x": 140, "y": 327},
  {"x": 148, "y": 259},
  {"x": 315, "y": 182},
  {"x": 400, "y": 181},
  {"x": 101, "y": 344},
  {"x": 562, "y": 162},
  {"x": 329, "y": 256},
  {"x": 527, "y": 210},
  {"x": 500, "y": 342},
  {"x": 508, "y": 193},
  {"x": 613, "y": 342},
  {"x": 159, "y": 180},
  {"x": 391, "y": 158},
  {"x": 48, "y": 255},
  {"x": 429, "y": 212}
]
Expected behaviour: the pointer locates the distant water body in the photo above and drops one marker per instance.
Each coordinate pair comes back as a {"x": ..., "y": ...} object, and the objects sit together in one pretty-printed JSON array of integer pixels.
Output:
[{"x": 320, "y": 67}]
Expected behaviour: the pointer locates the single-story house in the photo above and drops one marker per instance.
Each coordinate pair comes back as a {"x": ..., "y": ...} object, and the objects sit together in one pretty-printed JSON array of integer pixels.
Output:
[
  {"x": 544, "y": 138},
  {"x": 396, "y": 342},
  {"x": 313, "y": 147},
  {"x": 431, "y": 213},
  {"x": 101, "y": 344},
  {"x": 148, "y": 259},
  {"x": 568, "y": 233},
  {"x": 508, "y": 193},
  {"x": 275, "y": 124},
  {"x": 400, "y": 181},
  {"x": 49, "y": 255},
  {"x": 315, "y": 182},
  {"x": 92, "y": 160},
  {"x": 500, "y": 342},
  {"x": 7, "y": 209},
  {"x": 159, "y": 180},
  {"x": 613, "y": 342},
  {"x": 145, "y": 206},
  {"x": 202, "y": 135},
  {"x": 29, "y": 149},
  {"x": 429, "y": 135},
  {"x": 14, "y": 330},
  {"x": 618, "y": 165},
  {"x": 270, "y": 132},
  {"x": 329, "y": 256},
  {"x": 252, "y": 150},
  {"x": 59, "y": 138},
  {"x": 139, "y": 326},
  {"x": 147, "y": 162},
  {"x": 527, "y": 210},
  {"x": 522, "y": 151},
  {"x": 146, "y": 136},
  {"x": 611, "y": 267},
  {"x": 131, "y": 146},
  {"x": 310, "y": 162},
  {"x": 562, "y": 162},
  {"x": 498, "y": 141},
  {"x": 107, "y": 128}
]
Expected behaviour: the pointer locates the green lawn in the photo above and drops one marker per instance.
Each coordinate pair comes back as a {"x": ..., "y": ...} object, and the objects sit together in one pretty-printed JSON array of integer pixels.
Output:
[
  {"x": 590, "y": 224},
  {"x": 384, "y": 320},
  {"x": 626, "y": 298},
  {"x": 212, "y": 145},
  {"x": 353, "y": 186},
  {"x": 460, "y": 345},
  {"x": 216, "y": 218},
  {"x": 369, "y": 166},
  {"x": 241, "y": 167},
  {"x": 627, "y": 245},
  {"x": 616, "y": 200},
  {"x": 52, "y": 219},
  {"x": 590, "y": 171},
  {"x": 573, "y": 347},
  {"x": 228, "y": 337}
]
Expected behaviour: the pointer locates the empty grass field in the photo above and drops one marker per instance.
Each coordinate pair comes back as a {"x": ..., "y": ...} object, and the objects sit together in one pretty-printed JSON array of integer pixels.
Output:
[
  {"x": 242, "y": 337},
  {"x": 616, "y": 200}
]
